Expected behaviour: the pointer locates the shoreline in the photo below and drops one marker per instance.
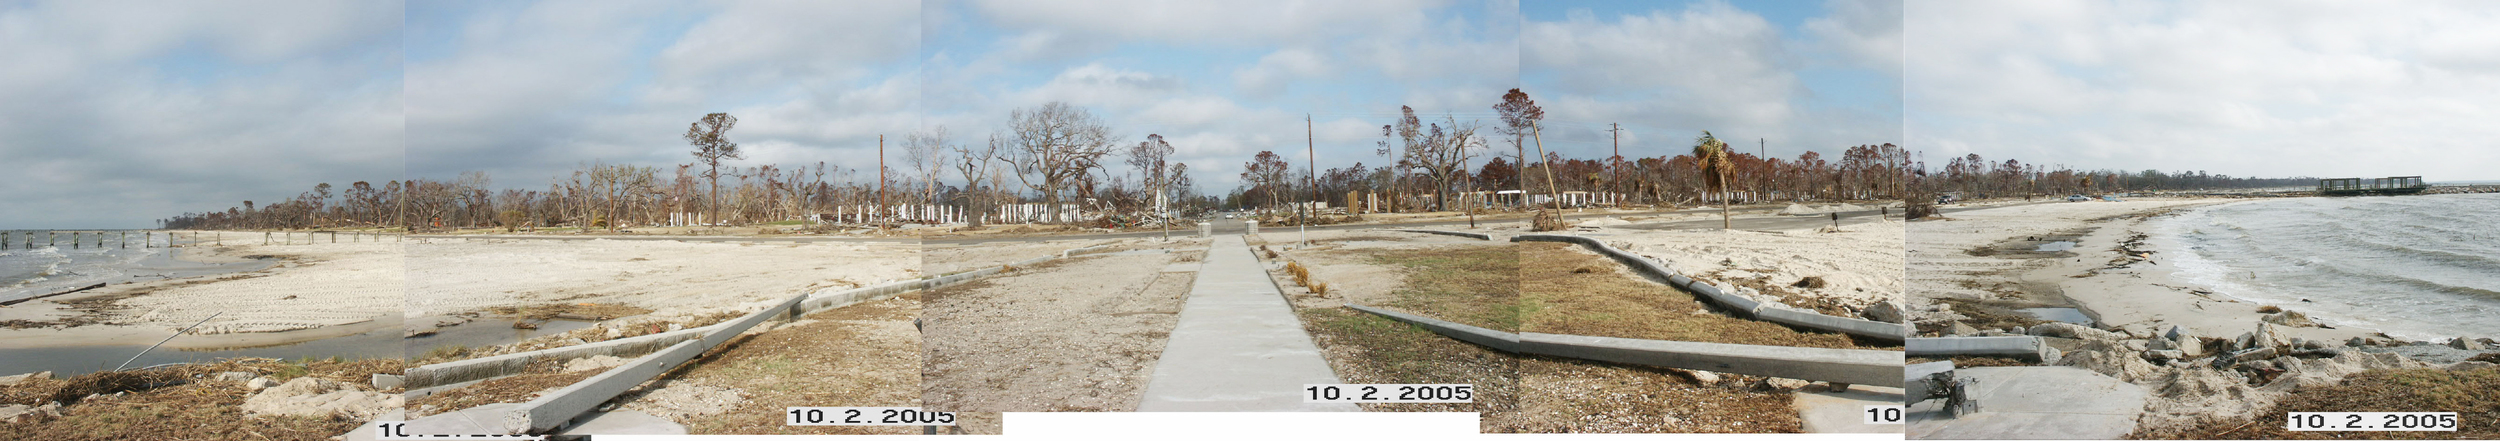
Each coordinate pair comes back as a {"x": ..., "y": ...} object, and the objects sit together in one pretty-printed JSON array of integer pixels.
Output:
[
  {"x": 2154, "y": 295},
  {"x": 273, "y": 295},
  {"x": 1986, "y": 256}
]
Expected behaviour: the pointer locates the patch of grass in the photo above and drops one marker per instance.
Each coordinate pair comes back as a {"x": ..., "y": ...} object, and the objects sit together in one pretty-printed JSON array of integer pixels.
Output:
[
  {"x": 2468, "y": 393},
  {"x": 1612, "y": 304},
  {"x": 445, "y": 353},
  {"x": 1368, "y": 349},
  {"x": 1475, "y": 285},
  {"x": 1986, "y": 315}
]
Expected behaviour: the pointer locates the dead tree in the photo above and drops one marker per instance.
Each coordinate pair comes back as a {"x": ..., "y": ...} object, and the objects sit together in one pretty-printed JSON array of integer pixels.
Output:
[{"x": 1053, "y": 146}]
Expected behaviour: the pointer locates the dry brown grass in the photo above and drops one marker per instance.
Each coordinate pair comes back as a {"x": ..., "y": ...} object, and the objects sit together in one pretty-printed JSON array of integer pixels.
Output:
[
  {"x": 1368, "y": 349},
  {"x": 510, "y": 389},
  {"x": 1985, "y": 315},
  {"x": 1561, "y": 395},
  {"x": 570, "y": 311},
  {"x": 840, "y": 360},
  {"x": 193, "y": 410},
  {"x": 1473, "y": 284},
  {"x": 2468, "y": 393},
  {"x": 1560, "y": 300}
]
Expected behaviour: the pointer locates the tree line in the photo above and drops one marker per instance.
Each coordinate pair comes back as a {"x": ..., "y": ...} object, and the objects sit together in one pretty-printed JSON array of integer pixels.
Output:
[{"x": 1051, "y": 154}]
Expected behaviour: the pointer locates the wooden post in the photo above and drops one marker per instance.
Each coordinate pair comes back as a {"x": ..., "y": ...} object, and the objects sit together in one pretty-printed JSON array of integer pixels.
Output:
[{"x": 125, "y": 242}]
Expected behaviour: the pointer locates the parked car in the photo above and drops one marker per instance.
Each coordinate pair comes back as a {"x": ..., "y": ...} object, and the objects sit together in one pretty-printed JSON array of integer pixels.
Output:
[{"x": 2077, "y": 198}]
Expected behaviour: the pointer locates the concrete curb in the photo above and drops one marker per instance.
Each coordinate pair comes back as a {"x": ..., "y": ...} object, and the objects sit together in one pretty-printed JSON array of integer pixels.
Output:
[
  {"x": 1848, "y": 366},
  {"x": 461, "y": 371},
  {"x": 1743, "y": 306},
  {"x": 2024, "y": 347},
  {"x": 1498, "y": 340},
  {"x": 475, "y": 369},
  {"x": 1477, "y": 236},
  {"x": 555, "y": 409}
]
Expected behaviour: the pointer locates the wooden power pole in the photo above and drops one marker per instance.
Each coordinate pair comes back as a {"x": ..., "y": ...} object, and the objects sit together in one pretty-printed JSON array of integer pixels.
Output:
[{"x": 881, "y": 184}]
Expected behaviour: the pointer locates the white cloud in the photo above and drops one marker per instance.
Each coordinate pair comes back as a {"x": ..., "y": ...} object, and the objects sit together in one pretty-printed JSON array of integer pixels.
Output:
[
  {"x": 1711, "y": 65},
  {"x": 531, "y": 93},
  {"x": 116, "y": 113},
  {"x": 2242, "y": 89}
]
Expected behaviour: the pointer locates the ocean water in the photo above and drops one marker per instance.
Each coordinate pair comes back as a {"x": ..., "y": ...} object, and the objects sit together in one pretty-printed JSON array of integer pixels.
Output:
[
  {"x": 55, "y": 266},
  {"x": 2419, "y": 267}
]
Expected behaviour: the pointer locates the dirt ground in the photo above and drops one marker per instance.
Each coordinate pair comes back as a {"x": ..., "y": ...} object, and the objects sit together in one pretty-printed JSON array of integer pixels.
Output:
[
  {"x": 864, "y": 355},
  {"x": 1079, "y": 334},
  {"x": 2466, "y": 392},
  {"x": 1569, "y": 290},
  {"x": 1367, "y": 349},
  {"x": 198, "y": 407},
  {"x": 1562, "y": 395}
]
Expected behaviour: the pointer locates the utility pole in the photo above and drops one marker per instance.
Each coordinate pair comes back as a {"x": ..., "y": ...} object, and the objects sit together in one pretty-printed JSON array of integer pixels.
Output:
[
  {"x": 1310, "y": 152},
  {"x": 881, "y": 184},
  {"x": 1537, "y": 133},
  {"x": 1616, "y": 176}
]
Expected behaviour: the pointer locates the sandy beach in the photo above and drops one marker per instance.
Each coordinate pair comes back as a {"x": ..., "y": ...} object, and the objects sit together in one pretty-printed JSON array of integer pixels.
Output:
[
  {"x": 1857, "y": 265},
  {"x": 315, "y": 291}
]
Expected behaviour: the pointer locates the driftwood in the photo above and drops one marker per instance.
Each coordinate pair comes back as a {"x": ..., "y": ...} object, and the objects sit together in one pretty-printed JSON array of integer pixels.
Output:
[{"x": 29, "y": 299}]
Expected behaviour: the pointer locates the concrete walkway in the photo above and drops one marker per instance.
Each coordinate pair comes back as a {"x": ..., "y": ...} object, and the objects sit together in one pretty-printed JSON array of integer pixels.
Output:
[
  {"x": 1238, "y": 346},
  {"x": 2035, "y": 402}
]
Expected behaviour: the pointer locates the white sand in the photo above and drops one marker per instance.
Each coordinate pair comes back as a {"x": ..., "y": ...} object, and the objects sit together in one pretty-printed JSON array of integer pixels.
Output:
[
  {"x": 1938, "y": 265},
  {"x": 448, "y": 276},
  {"x": 1860, "y": 265}
]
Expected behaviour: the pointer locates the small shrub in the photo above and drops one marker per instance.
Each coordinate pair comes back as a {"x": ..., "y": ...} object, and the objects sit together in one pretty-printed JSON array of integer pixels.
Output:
[
  {"x": 1319, "y": 288},
  {"x": 1811, "y": 282},
  {"x": 1548, "y": 220},
  {"x": 2269, "y": 309}
]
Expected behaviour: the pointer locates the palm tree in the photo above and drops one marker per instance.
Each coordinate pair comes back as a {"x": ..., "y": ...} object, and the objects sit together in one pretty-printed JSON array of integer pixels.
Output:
[{"x": 1712, "y": 154}]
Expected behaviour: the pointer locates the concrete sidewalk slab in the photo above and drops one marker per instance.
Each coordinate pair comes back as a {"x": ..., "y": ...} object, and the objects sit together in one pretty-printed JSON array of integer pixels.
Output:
[
  {"x": 1238, "y": 346},
  {"x": 2035, "y": 402},
  {"x": 1844, "y": 411},
  {"x": 481, "y": 420},
  {"x": 623, "y": 422}
]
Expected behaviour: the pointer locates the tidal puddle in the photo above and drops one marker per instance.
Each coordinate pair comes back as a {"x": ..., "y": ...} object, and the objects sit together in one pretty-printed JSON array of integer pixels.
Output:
[
  {"x": 75, "y": 360},
  {"x": 2057, "y": 246}
]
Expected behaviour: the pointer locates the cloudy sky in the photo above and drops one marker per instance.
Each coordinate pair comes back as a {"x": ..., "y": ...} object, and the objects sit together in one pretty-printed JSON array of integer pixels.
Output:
[
  {"x": 2325, "y": 89},
  {"x": 1783, "y": 76},
  {"x": 113, "y": 115}
]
